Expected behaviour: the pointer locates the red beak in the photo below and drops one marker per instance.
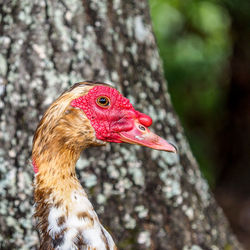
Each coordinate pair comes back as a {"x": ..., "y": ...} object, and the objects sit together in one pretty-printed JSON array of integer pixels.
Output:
[{"x": 141, "y": 135}]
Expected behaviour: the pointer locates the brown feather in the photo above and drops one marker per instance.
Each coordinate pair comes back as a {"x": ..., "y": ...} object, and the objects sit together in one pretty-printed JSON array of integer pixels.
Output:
[{"x": 61, "y": 135}]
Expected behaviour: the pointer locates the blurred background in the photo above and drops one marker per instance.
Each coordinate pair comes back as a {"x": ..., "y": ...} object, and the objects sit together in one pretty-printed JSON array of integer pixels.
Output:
[{"x": 205, "y": 48}]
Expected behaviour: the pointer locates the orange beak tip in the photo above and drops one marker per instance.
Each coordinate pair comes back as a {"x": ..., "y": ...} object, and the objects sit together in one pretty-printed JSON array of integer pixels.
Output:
[
  {"x": 168, "y": 147},
  {"x": 175, "y": 149}
]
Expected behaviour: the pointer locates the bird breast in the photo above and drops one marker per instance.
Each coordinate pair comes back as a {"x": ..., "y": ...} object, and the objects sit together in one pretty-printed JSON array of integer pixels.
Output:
[{"x": 78, "y": 227}]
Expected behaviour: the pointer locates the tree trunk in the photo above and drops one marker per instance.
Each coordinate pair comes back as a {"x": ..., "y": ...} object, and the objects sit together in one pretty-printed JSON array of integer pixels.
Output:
[{"x": 147, "y": 199}]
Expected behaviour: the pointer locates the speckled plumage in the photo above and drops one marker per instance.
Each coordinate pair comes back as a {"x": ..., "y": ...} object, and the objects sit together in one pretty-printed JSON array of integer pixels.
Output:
[{"x": 66, "y": 218}]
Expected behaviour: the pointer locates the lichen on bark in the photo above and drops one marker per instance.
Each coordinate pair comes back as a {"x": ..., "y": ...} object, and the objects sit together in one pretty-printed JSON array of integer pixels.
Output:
[{"x": 147, "y": 199}]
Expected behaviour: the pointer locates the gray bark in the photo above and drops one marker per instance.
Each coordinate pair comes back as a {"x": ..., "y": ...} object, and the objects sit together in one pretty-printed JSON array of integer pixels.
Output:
[{"x": 147, "y": 199}]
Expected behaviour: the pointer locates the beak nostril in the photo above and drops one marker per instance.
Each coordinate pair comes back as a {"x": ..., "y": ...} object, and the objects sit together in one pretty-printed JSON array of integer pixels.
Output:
[
  {"x": 141, "y": 127},
  {"x": 174, "y": 146}
]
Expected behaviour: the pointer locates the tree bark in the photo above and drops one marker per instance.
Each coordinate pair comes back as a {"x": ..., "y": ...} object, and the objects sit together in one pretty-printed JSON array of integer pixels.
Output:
[{"x": 147, "y": 199}]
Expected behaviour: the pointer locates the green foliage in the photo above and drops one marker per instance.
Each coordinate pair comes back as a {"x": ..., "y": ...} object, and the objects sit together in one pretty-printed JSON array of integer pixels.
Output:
[{"x": 195, "y": 46}]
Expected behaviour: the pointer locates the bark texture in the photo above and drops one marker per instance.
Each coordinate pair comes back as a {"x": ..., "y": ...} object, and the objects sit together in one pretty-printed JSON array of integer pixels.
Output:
[{"x": 147, "y": 199}]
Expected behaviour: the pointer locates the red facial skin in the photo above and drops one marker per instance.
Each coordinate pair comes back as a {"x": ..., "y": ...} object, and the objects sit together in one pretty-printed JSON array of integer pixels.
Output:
[
  {"x": 35, "y": 168},
  {"x": 119, "y": 121}
]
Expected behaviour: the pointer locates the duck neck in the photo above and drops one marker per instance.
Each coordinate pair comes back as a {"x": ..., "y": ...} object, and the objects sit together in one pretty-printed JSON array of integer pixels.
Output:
[
  {"x": 66, "y": 218},
  {"x": 58, "y": 197},
  {"x": 57, "y": 145},
  {"x": 56, "y": 176}
]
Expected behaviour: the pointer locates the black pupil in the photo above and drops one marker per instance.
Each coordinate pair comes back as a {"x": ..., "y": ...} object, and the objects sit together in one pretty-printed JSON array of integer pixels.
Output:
[{"x": 103, "y": 101}]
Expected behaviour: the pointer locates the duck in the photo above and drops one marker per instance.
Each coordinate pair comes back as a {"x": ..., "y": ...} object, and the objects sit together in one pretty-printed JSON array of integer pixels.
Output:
[{"x": 88, "y": 114}]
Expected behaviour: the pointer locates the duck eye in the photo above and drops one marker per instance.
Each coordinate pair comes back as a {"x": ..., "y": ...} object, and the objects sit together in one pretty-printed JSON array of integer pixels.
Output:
[{"x": 103, "y": 101}]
